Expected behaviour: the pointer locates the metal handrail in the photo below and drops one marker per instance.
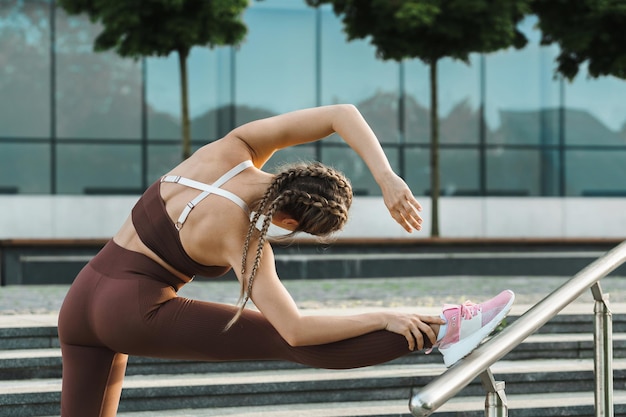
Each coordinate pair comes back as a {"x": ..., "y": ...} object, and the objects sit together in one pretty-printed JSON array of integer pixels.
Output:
[{"x": 447, "y": 385}]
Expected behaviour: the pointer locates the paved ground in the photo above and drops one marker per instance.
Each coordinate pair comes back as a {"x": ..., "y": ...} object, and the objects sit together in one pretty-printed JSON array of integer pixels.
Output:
[{"x": 419, "y": 292}]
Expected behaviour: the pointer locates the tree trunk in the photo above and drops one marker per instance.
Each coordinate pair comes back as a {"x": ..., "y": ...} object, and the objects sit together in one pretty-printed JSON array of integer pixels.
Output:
[
  {"x": 434, "y": 151},
  {"x": 184, "y": 93}
]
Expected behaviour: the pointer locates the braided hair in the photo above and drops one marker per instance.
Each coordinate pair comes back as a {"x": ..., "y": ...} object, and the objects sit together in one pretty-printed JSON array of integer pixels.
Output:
[{"x": 315, "y": 195}]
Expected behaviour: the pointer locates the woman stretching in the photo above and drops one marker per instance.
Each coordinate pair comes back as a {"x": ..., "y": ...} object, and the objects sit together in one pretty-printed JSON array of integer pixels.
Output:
[{"x": 211, "y": 213}]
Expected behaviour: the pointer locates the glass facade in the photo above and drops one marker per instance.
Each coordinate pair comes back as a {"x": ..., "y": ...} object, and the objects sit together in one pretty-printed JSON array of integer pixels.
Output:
[{"x": 77, "y": 122}]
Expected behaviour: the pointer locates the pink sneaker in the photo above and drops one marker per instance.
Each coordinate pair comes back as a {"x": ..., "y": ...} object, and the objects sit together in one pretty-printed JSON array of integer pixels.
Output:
[{"x": 469, "y": 324}]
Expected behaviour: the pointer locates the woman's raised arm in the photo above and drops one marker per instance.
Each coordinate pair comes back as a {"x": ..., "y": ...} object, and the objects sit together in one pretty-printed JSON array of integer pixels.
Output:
[{"x": 266, "y": 136}]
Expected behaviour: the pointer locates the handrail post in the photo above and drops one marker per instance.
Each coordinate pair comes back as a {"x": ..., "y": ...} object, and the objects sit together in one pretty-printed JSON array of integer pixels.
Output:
[
  {"x": 603, "y": 353},
  {"x": 495, "y": 400}
]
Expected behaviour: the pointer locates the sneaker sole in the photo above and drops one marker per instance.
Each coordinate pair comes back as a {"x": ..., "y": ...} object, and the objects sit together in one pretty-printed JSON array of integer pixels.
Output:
[{"x": 458, "y": 351}]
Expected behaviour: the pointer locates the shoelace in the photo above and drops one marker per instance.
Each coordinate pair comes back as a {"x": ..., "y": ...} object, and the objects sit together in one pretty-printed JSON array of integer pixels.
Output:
[{"x": 469, "y": 309}]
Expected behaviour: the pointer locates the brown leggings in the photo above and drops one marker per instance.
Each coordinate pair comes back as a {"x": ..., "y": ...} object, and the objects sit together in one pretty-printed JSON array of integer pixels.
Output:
[{"x": 123, "y": 303}]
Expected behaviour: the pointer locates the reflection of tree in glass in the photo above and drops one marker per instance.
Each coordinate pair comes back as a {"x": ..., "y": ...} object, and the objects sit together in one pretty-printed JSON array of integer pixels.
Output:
[
  {"x": 138, "y": 29},
  {"x": 432, "y": 31},
  {"x": 24, "y": 69},
  {"x": 98, "y": 95}
]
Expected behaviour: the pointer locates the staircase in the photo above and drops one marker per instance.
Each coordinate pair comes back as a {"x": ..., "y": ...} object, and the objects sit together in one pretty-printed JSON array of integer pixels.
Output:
[{"x": 550, "y": 374}]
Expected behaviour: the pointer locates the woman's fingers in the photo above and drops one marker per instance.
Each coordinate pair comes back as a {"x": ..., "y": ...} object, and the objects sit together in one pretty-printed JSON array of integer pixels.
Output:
[
  {"x": 426, "y": 329},
  {"x": 411, "y": 214},
  {"x": 420, "y": 330},
  {"x": 404, "y": 209},
  {"x": 410, "y": 337},
  {"x": 415, "y": 328},
  {"x": 406, "y": 213},
  {"x": 402, "y": 205}
]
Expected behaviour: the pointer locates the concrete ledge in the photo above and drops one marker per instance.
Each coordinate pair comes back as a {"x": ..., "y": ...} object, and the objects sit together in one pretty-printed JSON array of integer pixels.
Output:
[
  {"x": 57, "y": 261},
  {"x": 51, "y": 216}
]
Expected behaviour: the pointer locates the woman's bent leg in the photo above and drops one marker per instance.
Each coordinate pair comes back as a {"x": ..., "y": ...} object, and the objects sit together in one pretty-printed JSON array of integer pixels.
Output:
[{"x": 92, "y": 381}]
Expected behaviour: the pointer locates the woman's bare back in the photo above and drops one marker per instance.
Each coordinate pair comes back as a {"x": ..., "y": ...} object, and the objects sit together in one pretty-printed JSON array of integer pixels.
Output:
[{"x": 215, "y": 229}]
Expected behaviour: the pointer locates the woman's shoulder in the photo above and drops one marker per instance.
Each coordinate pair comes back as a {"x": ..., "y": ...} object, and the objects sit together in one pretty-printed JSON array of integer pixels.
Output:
[
  {"x": 227, "y": 147},
  {"x": 210, "y": 160}
]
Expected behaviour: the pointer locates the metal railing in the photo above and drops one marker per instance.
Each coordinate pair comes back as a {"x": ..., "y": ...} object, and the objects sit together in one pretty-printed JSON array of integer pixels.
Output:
[{"x": 447, "y": 385}]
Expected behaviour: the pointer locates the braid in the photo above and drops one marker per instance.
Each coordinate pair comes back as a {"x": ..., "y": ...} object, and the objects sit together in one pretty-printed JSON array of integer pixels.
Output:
[
  {"x": 326, "y": 207},
  {"x": 246, "y": 291},
  {"x": 315, "y": 195}
]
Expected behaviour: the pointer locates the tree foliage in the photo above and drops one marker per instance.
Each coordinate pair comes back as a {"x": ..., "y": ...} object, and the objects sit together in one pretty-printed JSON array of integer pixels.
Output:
[
  {"x": 139, "y": 28},
  {"x": 586, "y": 31},
  {"x": 431, "y": 30}
]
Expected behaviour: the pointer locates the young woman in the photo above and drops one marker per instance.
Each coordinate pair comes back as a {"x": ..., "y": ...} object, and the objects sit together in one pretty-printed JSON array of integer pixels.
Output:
[{"x": 211, "y": 213}]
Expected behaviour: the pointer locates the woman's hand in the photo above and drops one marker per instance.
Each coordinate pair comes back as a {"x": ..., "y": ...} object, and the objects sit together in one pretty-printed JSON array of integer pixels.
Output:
[
  {"x": 414, "y": 328},
  {"x": 401, "y": 203}
]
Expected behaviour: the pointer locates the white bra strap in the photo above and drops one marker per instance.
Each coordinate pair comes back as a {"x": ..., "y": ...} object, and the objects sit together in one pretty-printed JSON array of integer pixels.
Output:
[
  {"x": 209, "y": 189},
  {"x": 232, "y": 173}
]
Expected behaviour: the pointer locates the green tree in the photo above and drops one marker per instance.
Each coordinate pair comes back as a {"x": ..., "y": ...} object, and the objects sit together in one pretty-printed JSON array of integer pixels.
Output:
[
  {"x": 587, "y": 31},
  {"x": 431, "y": 30},
  {"x": 138, "y": 28}
]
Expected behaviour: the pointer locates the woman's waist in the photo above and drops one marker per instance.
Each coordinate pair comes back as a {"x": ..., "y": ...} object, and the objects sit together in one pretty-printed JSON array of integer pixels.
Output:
[
  {"x": 132, "y": 242},
  {"x": 115, "y": 258}
]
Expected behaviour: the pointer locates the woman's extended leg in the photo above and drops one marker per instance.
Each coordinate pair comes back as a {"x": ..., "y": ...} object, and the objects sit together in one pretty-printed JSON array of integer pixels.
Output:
[{"x": 188, "y": 329}]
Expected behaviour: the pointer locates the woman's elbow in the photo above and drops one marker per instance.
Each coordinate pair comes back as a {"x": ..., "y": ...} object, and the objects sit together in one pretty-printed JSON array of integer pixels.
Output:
[{"x": 294, "y": 338}]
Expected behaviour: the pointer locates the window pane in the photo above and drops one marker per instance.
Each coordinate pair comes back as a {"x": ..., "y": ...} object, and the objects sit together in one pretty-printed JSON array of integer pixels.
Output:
[
  {"x": 345, "y": 160},
  {"x": 521, "y": 172},
  {"x": 459, "y": 174},
  {"x": 381, "y": 113},
  {"x": 163, "y": 98},
  {"x": 417, "y": 167},
  {"x": 596, "y": 111},
  {"x": 458, "y": 98},
  {"x": 161, "y": 159},
  {"x": 209, "y": 73},
  {"x": 206, "y": 96},
  {"x": 417, "y": 102},
  {"x": 522, "y": 96},
  {"x": 275, "y": 66},
  {"x": 351, "y": 73},
  {"x": 596, "y": 173},
  {"x": 99, "y": 169},
  {"x": 302, "y": 153},
  {"x": 24, "y": 168},
  {"x": 98, "y": 94},
  {"x": 25, "y": 68}
]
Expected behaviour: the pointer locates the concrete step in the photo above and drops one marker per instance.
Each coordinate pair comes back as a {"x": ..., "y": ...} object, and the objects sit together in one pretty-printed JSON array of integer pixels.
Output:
[
  {"x": 19, "y": 364},
  {"x": 28, "y": 337},
  {"x": 535, "y": 405},
  {"x": 281, "y": 387}
]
